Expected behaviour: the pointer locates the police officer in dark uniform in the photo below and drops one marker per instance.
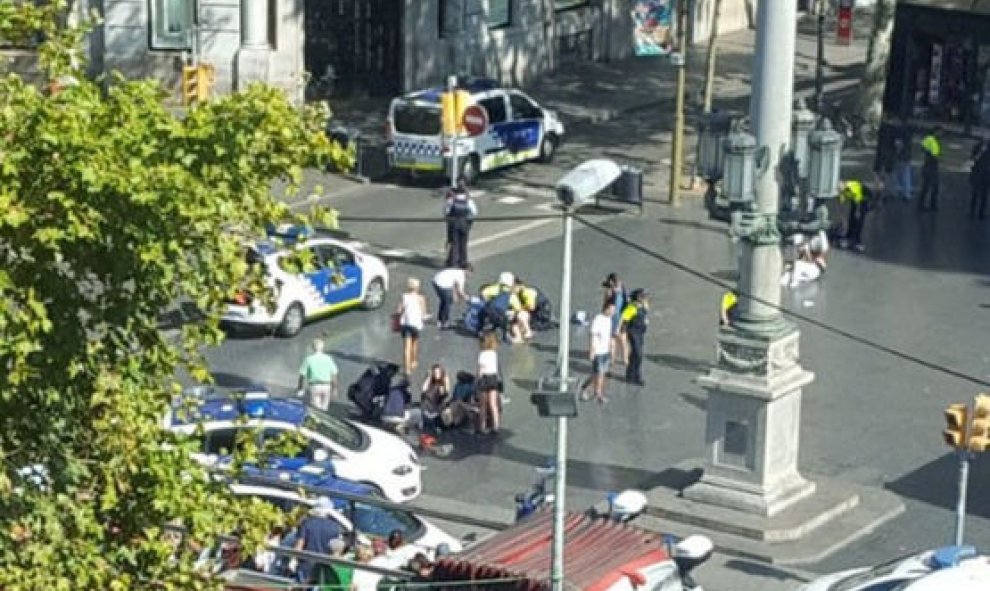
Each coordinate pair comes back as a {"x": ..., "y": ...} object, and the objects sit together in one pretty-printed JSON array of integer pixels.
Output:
[
  {"x": 635, "y": 320},
  {"x": 459, "y": 210}
]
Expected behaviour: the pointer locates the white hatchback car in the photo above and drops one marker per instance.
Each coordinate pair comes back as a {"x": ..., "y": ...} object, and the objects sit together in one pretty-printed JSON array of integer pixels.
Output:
[
  {"x": 343, "y": 277},
  {"x": 371, "y": 521},
  {"x": 909, "y": 573},
  {"x": 359, "y": 453}
]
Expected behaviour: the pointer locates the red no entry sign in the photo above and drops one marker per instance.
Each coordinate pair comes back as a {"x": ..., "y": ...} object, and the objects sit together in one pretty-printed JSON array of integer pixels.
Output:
[{"x": 475, "y": 120}]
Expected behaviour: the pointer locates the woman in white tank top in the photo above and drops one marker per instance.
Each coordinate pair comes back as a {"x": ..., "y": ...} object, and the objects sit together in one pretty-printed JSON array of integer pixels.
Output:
[
  {"x": 489, "y": 403},
  {"x": 412, "y": 312}
]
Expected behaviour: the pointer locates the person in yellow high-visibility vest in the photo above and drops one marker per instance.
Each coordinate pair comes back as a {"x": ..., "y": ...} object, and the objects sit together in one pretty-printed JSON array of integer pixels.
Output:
[
  {"x": 858, "y": 196},
  {"x": 931, "y": 147}
]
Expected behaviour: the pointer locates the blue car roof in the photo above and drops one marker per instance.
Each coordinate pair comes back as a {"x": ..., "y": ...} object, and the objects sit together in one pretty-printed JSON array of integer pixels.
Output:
[
  {"x": 290, "y": 470},
  {"x": 229, "y": 408}
]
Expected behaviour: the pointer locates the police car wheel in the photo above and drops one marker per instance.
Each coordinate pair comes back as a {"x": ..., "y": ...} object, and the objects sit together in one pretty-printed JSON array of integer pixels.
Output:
[
  {"x": 548, "y": 148},
  {"x": 292, "y": 322},
  {"x": 374, "y": 295},
  {"x": 469, "y": 170}
]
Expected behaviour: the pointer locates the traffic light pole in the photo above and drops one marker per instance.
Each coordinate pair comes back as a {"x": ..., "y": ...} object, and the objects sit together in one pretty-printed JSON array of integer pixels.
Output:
[
  {"x": 964, "y": 457},
  {"x": 452, "y": 88}
]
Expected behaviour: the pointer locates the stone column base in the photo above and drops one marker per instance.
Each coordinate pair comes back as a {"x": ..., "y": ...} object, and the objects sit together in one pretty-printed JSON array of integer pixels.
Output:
[
  {"x": 751, "y": 498},
  {"x": 251, "y": 65}
]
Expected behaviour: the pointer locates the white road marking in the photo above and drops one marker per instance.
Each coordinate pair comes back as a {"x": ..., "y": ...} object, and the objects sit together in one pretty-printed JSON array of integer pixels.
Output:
[
  {"x": 312, "y": 200},
  {"x": 510, "y": 200},
  {"x": 511, "y": 232}
]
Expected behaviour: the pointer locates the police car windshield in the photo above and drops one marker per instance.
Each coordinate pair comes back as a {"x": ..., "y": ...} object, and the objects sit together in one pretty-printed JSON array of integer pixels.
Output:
[
  {"x": 340, "y": 432},
  {"x": 416, "y": 119}
]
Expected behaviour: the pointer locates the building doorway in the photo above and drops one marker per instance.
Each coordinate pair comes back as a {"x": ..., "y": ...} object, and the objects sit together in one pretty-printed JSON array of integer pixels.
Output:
[{"x": 353, "y": 47}]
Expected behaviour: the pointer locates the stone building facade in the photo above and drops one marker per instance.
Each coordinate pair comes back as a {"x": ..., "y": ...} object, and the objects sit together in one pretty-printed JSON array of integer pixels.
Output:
[{"x": 381, "y": 47}]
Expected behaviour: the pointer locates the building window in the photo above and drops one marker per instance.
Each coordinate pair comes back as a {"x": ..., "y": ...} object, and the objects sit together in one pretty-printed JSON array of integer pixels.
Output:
[
  {"x": 172, "y": 24},
  {"x": 451, "y": 17},
  {"x": 568, "y": 4},
  {"x": 499, "y": 14}
]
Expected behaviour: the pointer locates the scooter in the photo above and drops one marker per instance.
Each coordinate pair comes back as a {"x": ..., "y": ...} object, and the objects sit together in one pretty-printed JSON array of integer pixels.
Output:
[
  {"x": 620, "y": 507},
  {"x": 623, "y": 507}
]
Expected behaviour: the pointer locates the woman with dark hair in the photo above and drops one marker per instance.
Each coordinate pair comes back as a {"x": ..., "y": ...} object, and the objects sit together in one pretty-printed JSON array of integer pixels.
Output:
[
  {"x": 488, "y": 385},
  {"x": 434, "y": 397}
]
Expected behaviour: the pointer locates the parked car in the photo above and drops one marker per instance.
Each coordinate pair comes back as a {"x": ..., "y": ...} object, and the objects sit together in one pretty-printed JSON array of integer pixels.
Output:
[
  {"x": 914, "y": 572},
  {"x": 367, "y": 520},
  {"x": 342, "y": 276},
  {"x": 358, "y": 453},
  {"x": 518, "y": 130}
]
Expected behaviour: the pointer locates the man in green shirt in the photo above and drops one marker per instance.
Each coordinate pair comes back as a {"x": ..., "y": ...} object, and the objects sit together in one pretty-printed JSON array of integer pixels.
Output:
[{"x": 318, "y": 377}]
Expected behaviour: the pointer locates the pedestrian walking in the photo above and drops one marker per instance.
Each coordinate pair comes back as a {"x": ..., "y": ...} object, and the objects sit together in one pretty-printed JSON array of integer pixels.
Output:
[
  {"x": 979, "y": 179},
  {"x": 728, "y": 308},
  {"x": 932, "y": 149},
  {"x": 451, "y": 286},
  {"x": 412, "y": 313},
  {"x": 615, "y": 293},
  {"x": 488, "y": 386},
  {"x": 599, "y": 353},
  {"x": 318, "y": 377},
  {"x": 859, "y": 196},
  {"x": 635, "y": 320},
  {"x": 459, "y": 211}
]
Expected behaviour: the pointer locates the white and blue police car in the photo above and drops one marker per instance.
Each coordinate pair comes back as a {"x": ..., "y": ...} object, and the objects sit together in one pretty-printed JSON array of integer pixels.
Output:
[
  {"x": 358, "y": 453},
  {"x": 912, "y": 572},
  {"x": 519, "y": 130},
  {"x": 342, "y": 277},
  {"x": 366, "y": 520}
]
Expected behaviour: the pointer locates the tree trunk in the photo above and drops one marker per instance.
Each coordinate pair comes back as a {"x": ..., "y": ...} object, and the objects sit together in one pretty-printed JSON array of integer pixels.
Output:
[
  {"x": 712, "y": 52},
  {"x": 877, "y": 56}
]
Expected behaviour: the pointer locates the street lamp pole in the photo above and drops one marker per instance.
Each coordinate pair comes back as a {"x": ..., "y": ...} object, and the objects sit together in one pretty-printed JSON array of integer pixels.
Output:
[
  {"x": 820, "y": 61},
  {"x": 563, "y": 363}
]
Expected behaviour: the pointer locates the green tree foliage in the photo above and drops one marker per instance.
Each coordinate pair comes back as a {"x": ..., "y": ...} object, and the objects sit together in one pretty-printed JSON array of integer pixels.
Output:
[{"x": 111, "y": 210}]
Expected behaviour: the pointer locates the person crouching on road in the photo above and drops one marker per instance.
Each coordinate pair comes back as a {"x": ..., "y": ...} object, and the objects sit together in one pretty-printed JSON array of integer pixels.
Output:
[
  {"x": 635, "y": 320},
  {"x": 527, "y": 299},
  {"x": 451, "y": 286},
  {"x": 810, "y": 263},
  {"x": 318, "y": 377}
]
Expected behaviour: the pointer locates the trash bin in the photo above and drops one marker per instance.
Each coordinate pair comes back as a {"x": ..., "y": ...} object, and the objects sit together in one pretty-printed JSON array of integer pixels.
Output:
[{"x": 628, "y": 188}]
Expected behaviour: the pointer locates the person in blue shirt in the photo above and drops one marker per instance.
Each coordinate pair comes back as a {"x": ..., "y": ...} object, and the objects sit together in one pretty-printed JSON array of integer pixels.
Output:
[{"x": 316, "y": 532}]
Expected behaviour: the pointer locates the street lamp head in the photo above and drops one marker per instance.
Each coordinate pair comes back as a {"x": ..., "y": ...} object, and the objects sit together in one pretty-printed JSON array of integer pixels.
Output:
[
  {"x": 579, "y": 186},
  {"x": 825, "y": 162},
  {"x": 740, "y": 167},
  {"x": 713, "y": 128}
]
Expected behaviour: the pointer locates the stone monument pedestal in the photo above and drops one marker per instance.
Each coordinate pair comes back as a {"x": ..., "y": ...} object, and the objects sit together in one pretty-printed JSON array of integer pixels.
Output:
[
  {"x": 753, "y": 429},
  {"x": 750, "y": 498}
]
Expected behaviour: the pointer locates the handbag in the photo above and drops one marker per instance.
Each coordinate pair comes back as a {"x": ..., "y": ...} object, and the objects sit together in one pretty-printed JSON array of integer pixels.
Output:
[{"x": 396, "y": 322}]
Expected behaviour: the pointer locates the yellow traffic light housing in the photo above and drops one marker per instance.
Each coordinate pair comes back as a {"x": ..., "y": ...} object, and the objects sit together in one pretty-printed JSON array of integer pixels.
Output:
[
  {"x": 452, "y": 105},
  {"x": 979, "y": 429},
  {"x": 955, "y": 432},
  {"x": 196, "y": 83}
]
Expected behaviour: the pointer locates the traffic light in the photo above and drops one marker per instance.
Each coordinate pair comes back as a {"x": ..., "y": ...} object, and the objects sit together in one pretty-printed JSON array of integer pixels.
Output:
[
  {"x": 196, "y": 83},
  {"x": 979, "y": 429},
  {"x": 955, "y": 420},
  {"x": 452, "y": 105}
]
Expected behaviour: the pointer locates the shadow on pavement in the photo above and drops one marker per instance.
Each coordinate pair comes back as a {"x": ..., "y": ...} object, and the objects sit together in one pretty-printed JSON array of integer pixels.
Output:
[
  {"x": 762, "y": 569},
  {"x": 935, "y": 483},
  {"x": 679, "y": 363}
]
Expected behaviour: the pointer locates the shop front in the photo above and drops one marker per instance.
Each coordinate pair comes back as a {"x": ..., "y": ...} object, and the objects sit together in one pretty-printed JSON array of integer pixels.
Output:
[{"x": 940, "y": 61}]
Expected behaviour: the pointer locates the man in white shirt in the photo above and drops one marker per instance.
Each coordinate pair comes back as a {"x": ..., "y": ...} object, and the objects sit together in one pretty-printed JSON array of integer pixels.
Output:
[
  {"x": 599, "y": 353},
  {"x": 450, "y": 285}
]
